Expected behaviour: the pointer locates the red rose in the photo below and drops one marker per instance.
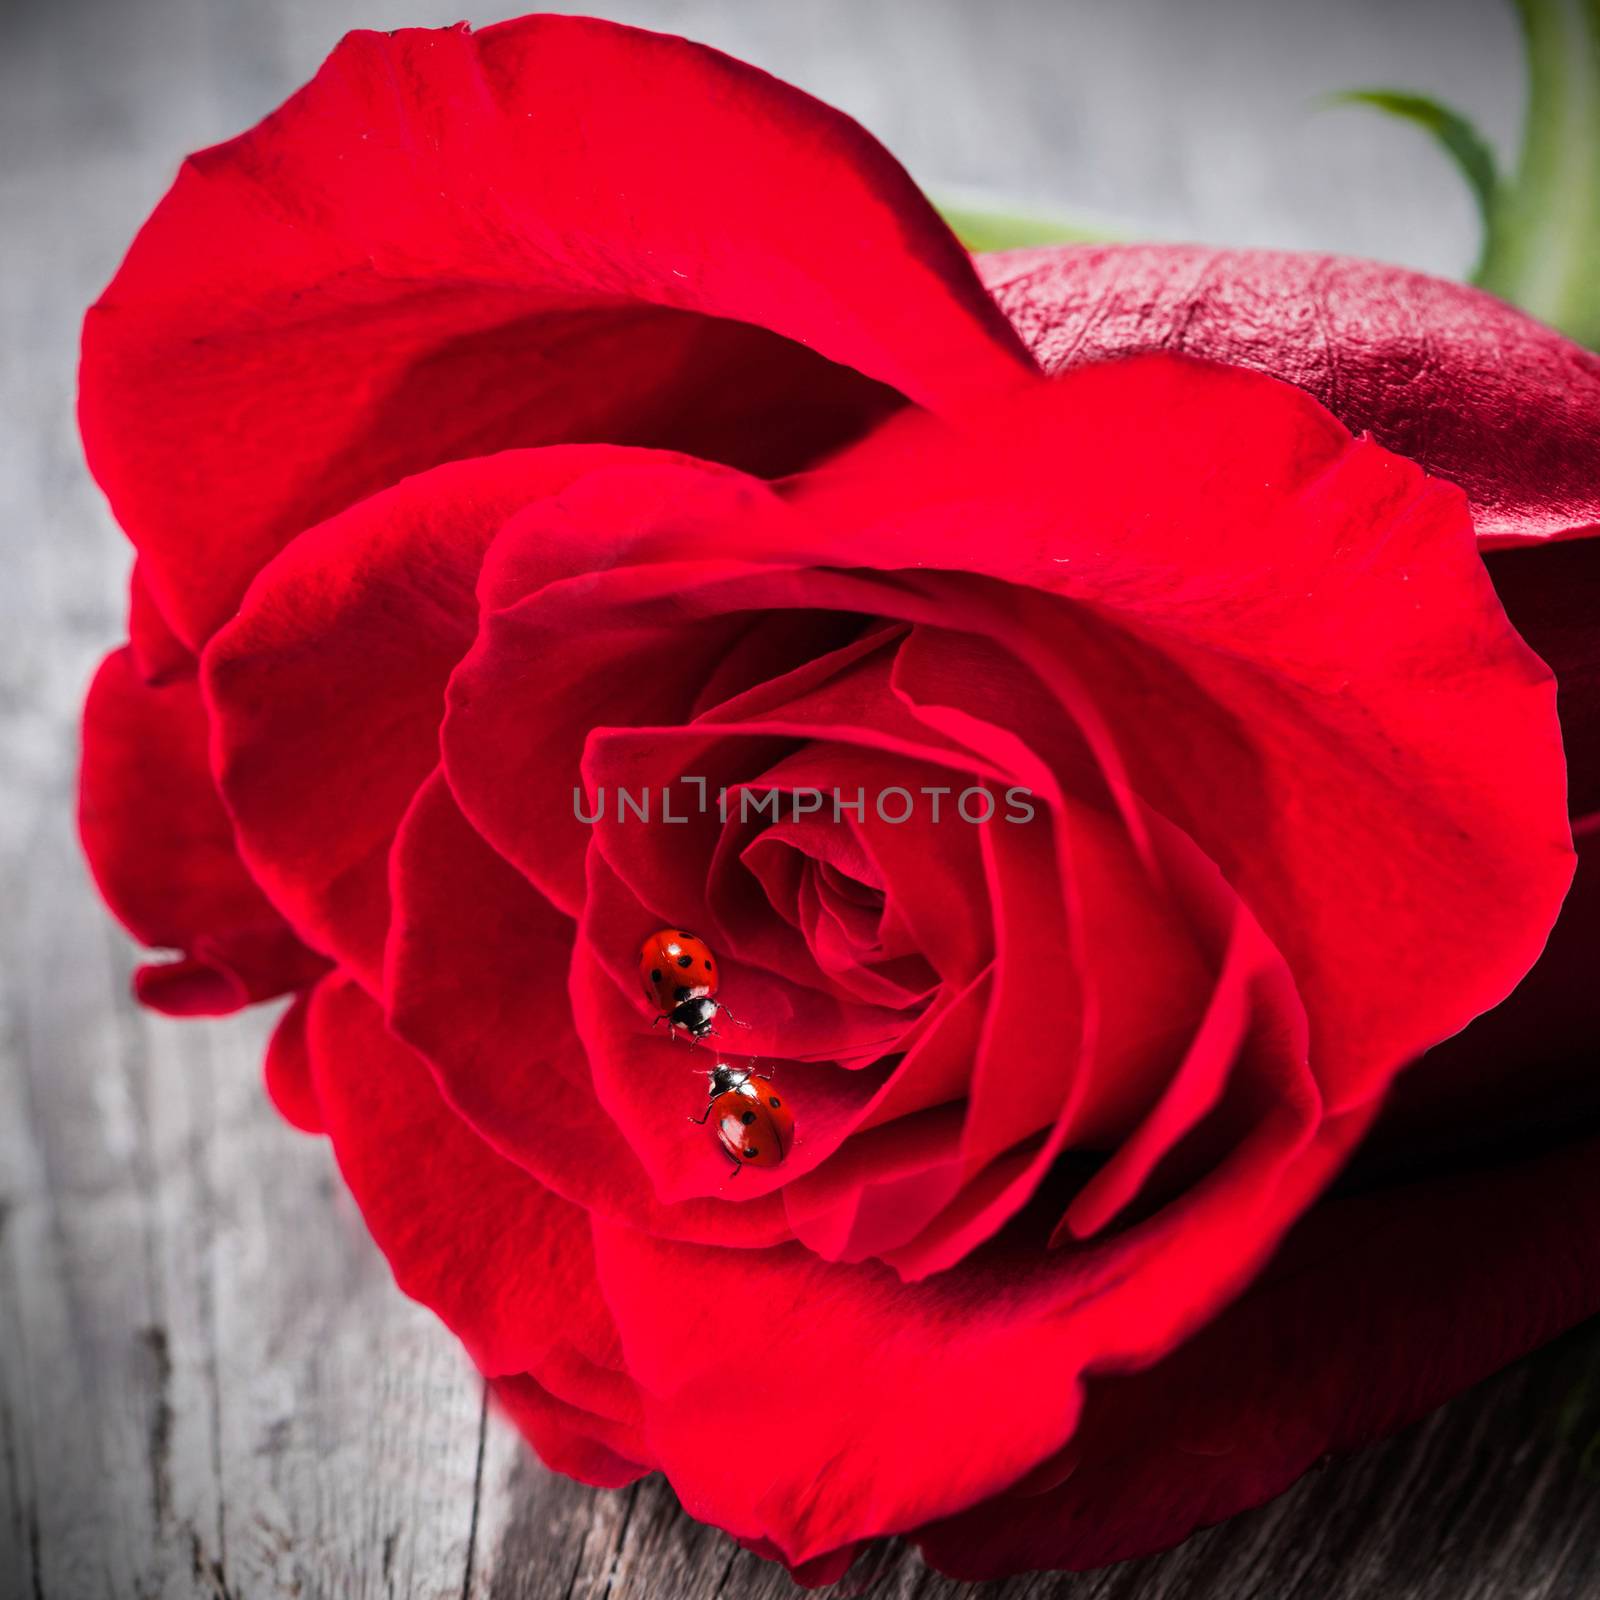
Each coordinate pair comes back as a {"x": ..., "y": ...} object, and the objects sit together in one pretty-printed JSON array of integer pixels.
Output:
[{"x": 563, "y": 408}]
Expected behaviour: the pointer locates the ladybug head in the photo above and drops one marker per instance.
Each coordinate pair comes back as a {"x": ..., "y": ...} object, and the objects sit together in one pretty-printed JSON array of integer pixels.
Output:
[
  {"x": 723, "y": 1078},
  {"x": 694, "y": 1016}
]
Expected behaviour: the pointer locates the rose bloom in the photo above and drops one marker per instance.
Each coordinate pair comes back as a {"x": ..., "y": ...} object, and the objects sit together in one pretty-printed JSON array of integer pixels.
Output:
[{"x": 563, "y": 407}]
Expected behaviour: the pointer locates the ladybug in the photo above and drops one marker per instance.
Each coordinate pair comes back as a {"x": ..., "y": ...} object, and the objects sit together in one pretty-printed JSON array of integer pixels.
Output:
[
  {"x": 752, "y": 1122},
  {"x": 679, "y": 974}
]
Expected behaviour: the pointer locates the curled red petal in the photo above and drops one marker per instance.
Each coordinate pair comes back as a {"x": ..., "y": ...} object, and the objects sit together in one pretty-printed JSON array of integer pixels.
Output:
[
  {"x": 553, "y": 655},
  {"x": 162, "y": 850},
  {"x": 450, "y": 243},
  {"x": 568, "y": 1439}
]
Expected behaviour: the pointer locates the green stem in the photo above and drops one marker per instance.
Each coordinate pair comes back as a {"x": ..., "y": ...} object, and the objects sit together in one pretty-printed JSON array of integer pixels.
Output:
[{"x": 1543, "y": 245}]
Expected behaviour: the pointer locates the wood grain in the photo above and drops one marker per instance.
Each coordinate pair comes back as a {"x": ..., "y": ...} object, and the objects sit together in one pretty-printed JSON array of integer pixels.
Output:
[{"x": 208, "y": 1383}]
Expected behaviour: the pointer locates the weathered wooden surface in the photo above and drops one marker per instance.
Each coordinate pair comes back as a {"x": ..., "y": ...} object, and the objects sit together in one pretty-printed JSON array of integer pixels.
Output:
[{"x": 208, "y": 1384}]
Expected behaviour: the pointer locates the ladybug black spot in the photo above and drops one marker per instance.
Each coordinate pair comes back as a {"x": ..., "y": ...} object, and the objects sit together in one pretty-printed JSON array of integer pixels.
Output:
[
  {"x": 772, "y": 1099},
  {"x": 680, "y": 993},
  {"x": 655, "y": 974},
  {"x": 751, "y": 1152},
  {"x": 708, "y": 966},
  {"x": 685, "y": 961},
  {"x": 748, "y": 1118}
]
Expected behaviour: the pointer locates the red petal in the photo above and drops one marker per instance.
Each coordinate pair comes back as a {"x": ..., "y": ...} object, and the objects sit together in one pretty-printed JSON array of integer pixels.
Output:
[
  {"x": 290, "y": 1085},
  {"x": 327, "y": 690},
  {"x": 162, "y": 850},
  {"x": 505, "y": 1263},
  {"x": 567, "y": 1439},
  {"x": 193, "y": 986},
  {"x": 158, "y": 653},
  {"x": 447, "y": 244},
  {"x": 1458, "y": 381},
  {"x": 549, "y": 655}
]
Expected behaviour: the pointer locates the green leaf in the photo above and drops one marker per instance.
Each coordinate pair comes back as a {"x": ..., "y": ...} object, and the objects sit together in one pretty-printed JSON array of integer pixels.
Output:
[
  {"x": 1453, "y": 132},
  {"x": 983, "y": 228}
]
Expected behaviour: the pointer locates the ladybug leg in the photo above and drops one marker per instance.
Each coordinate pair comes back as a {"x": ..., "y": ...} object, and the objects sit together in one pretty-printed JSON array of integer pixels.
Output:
[
  {"x": 737, "y": 1168},
  {"x": 730, "y": 1016},
  {"x": 700, "y": 1121}
]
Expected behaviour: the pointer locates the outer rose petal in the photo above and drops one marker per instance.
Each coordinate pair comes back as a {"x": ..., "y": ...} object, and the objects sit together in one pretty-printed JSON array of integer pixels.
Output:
[
  {"x": 447, "y": 244},
  {"x": 1458, "y": 381},
  {"x": 162, "y": 850},
  {"x": 566, "y": 1439},
  {"x": 939, "y": 1372},
  {"x": 1378, "y": 1307},
  {"x": 505, "y": 1263}
]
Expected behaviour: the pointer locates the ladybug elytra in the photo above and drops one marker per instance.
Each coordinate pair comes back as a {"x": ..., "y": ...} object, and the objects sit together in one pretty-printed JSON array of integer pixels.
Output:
[
  {"x": 751, "y": 1121},
  {"x": 679, "y": 975}
]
